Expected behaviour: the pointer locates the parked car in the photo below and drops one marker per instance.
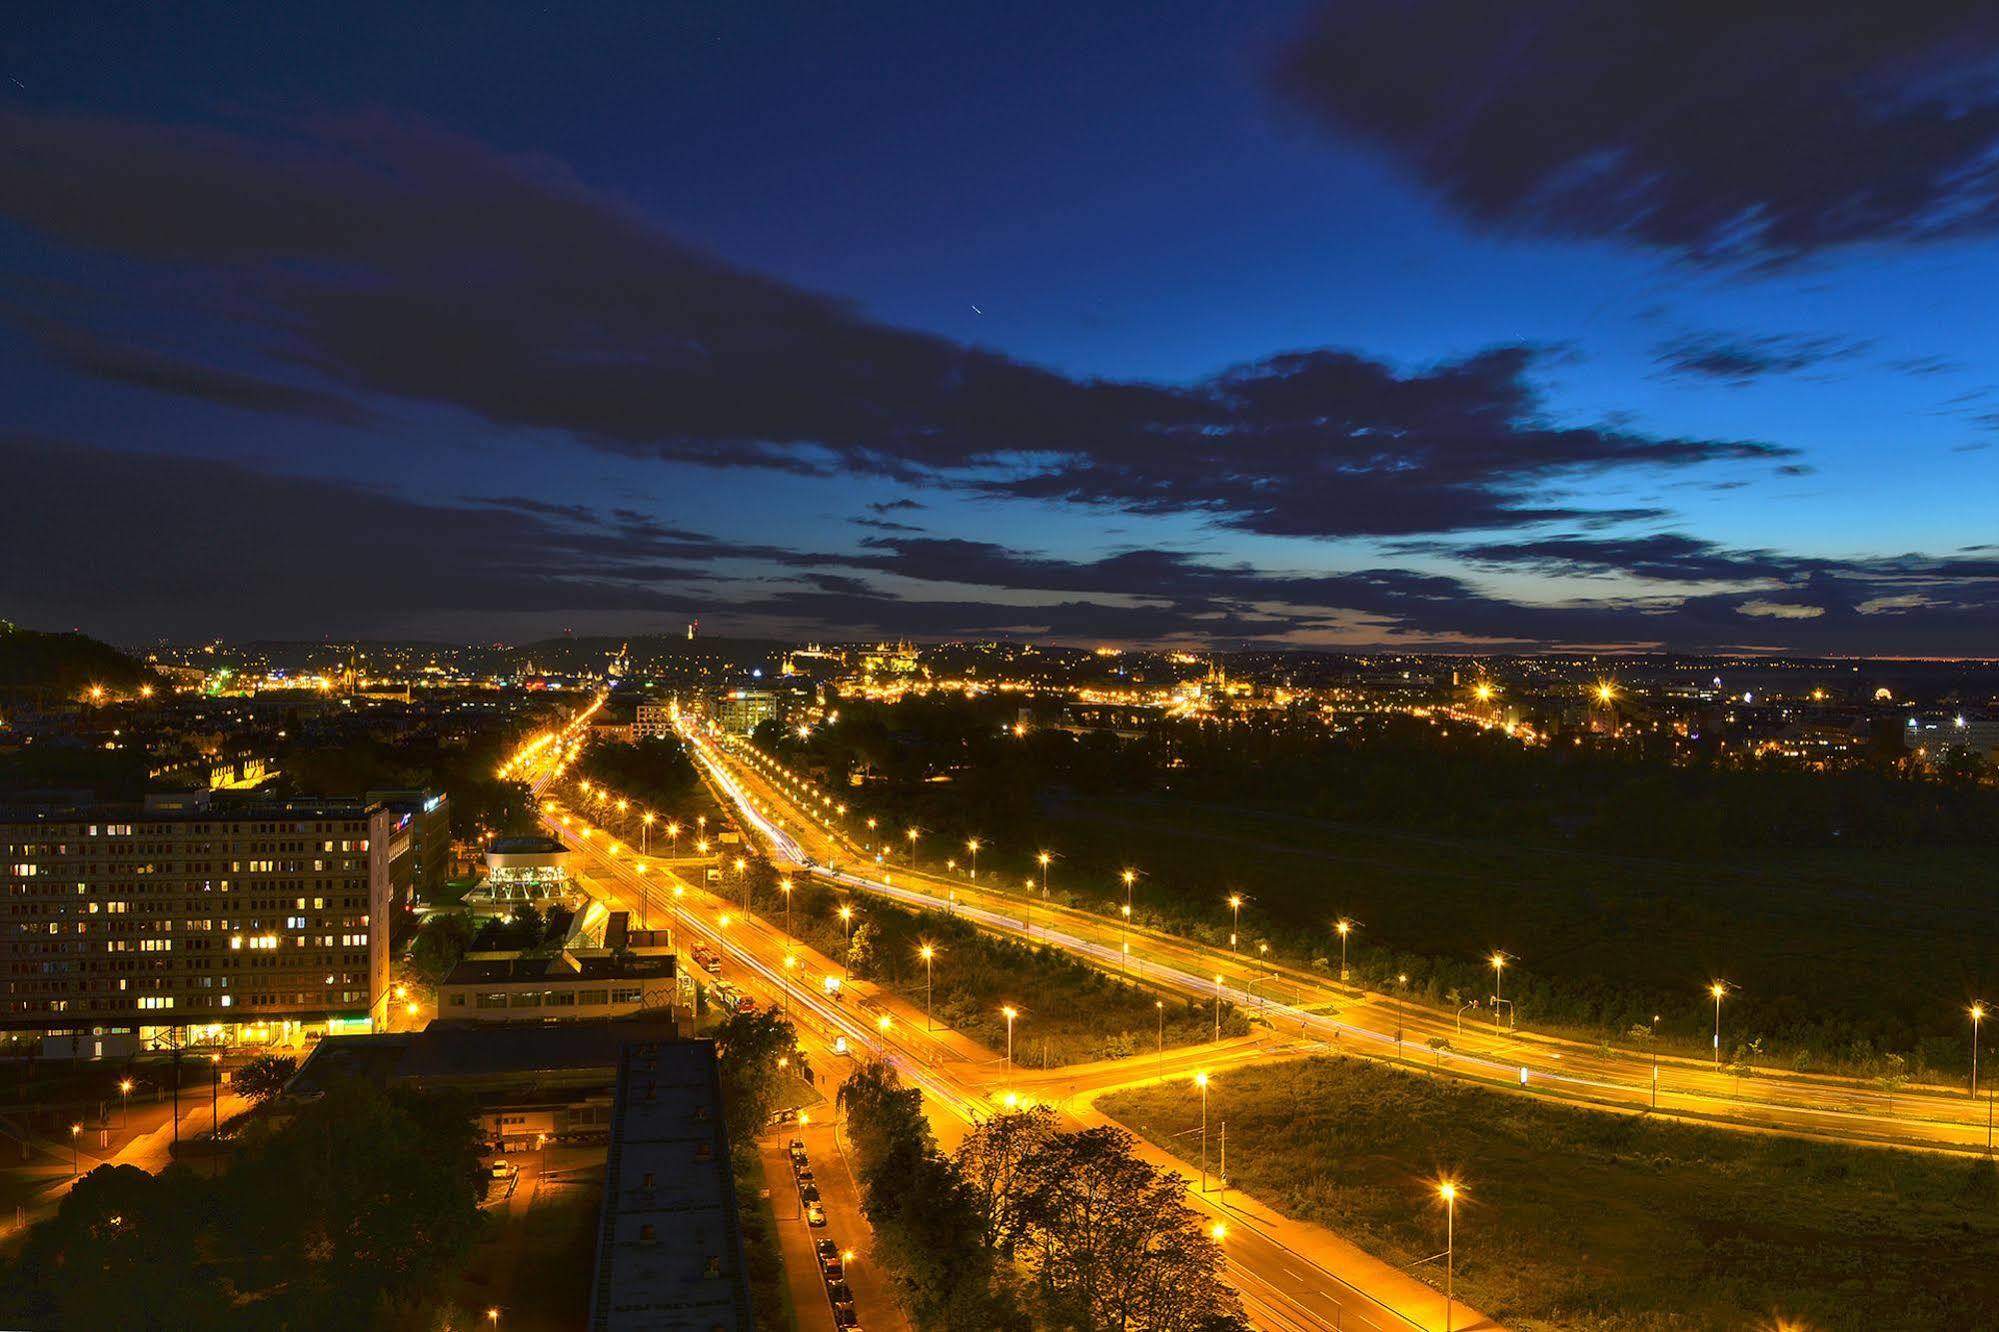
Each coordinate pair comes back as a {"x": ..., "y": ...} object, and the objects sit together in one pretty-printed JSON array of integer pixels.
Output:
[
  {"x": 828, "y": 1250},
  {"x": 803, "y": 1173},
  {"x": 502, "y": 1170},
  {"x": 815, "y": 1215},
  {"x": 809, "y": 1192},
  {"x": 839, "y": 1291},
  {"x": 797, "y": 1150}
]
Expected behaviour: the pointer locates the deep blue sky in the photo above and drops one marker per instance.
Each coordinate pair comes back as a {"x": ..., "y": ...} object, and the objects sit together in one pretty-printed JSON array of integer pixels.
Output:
[{"x": 1430, "y": 324}]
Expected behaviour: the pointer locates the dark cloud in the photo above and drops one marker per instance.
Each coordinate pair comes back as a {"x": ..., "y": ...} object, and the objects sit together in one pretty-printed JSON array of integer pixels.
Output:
[
  {"x": 894, "y": 505},
  {"x": 1924, "y": 366},
  {"x": 153, "y": 544},
  {"x": 1750, "y": 132},
  {"x": 510, "y": 291},
  {"x": 144, "y": 368},
  {"x": 1739, "y": 358},
  {"x": 884, "y": 525}
]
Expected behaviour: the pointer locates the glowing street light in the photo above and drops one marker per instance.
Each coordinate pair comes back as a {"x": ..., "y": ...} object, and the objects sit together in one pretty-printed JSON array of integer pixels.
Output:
[
  {"x": 1042, "y": 860},
  {"x": 784, "y": 885},
  {"x": 1448, "y": 1191},
  {"x": 1010, "y": 1013},
  {"x": 1977, "y": 1016},
  {"x": 646, "y": 821},
  {"x": 929, "y": 954},
  {"x": 1235, "y": 905},
  {"x": 1345, "y": 928},
  {"x": 75, "y": 1151},
  {"x": 972, "y": 845},
  {"x": 124, "y": 1102},
  {"x": 1499, "y": 959},
  {"x": 912, "y": 834},
  {"x": 1719, "y": 989}
]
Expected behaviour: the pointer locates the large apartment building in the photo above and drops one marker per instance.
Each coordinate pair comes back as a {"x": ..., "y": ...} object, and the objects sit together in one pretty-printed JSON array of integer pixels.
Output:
[{"x": 132, "y": 928}]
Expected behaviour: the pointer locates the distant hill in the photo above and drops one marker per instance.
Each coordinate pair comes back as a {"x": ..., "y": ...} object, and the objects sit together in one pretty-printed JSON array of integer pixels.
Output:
[{"x": 64, "y": 665}]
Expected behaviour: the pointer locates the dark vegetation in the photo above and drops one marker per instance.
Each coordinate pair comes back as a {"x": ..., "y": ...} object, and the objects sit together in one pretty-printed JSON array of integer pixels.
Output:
[
  {"x": 655, "y": 773},
  {"x": 1853, "y": 910},
  {"x": 1579, "y": 1219},
  {"x": 748, "y": 1047},
  {"x": 53, "y": 667},
  {"x": 1027, "y": 1226},
  {"x": 342, "y": 1216},
  {"x": 1070, "y": 1012},
  {"x": 482, "y": 804}
]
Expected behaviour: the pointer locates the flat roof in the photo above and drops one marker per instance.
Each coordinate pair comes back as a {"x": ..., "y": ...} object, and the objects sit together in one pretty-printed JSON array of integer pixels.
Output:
[
  {"x": 526, "y": 846},
  {"x": 604, "y": 967},
  {"x": 448, "y": 1049},
  {"x": 669, "y": 1241}
]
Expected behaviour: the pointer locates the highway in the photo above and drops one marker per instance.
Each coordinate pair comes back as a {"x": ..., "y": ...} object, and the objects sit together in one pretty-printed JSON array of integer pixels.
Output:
[
  {"x": 1350, "y": 1019},
  {"x": 1292, "y": 1277},
  {"x": 1284, "y": 1283}
]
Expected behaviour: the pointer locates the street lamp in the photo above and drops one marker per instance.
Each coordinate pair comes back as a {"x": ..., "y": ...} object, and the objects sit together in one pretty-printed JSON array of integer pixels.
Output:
[
  {"x": 928, "y": 954},
  {"x": 1201, "y": 1081},
  {"x": 1345, "y": 927},
  {"x": 1042, "y": 860},
  {"x": 645, "y": 832},
  {"x": 972, "y": 845},
  {"x": 124, "y": 1102},
  {"x": 645, "y": 897},
  {"x": 215, "y": 1093},
  {"x": 1499, "y": 961},
  {"x": 1011, "y": 1013},
  {"x": 1448, "y": 1191},
  {"x": 912, "y": 834},
  {"x": 1235, "y": 905},
  {"x": 75, "y": 1152},
  {"x": 1718, "y": 989},
  {"x": 1977, "y": 1016}
]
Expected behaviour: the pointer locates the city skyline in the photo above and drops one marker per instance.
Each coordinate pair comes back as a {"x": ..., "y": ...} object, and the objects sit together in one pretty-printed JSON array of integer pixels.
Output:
[{"x": 1090, "y": 328}]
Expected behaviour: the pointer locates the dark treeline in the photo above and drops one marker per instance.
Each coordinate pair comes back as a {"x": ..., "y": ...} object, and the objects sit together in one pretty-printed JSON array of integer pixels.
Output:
[
  {"x": 1623, "y": 882},
  {"x": 1028, "y": 1226},
  {"x": 349, "y": 1214},
  {"x": 654, "y": 772}
]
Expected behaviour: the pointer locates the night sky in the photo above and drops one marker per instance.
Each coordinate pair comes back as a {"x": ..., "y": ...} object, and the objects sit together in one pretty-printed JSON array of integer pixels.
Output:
[{"x": 1429, "y": 324}]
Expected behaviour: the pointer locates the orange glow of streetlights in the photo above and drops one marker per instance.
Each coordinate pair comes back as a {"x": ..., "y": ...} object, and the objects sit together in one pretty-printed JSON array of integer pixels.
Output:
[{"x": 1010, "y": 1014}]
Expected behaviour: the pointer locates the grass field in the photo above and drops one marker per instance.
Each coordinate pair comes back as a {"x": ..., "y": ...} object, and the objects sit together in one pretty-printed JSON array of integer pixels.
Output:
[
  {"x": 1845, "y": 954},
  {"x": 1578, "y": 1219},
  {"x": 1069, "y": 1013}
]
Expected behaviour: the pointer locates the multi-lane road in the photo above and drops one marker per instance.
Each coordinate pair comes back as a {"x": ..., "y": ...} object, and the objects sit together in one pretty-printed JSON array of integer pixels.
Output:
[
  {"x": 1292, "y": 1277},
  {"x": 1356, "y": 1021}
]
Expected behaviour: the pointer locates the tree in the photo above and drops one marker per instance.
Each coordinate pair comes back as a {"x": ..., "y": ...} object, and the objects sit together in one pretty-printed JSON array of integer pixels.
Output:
[
  {"x": 121, "y": 1251},
  {"x": 1115, "y": 1244},
  {"x": 440, "y": 945},
  {"x": 363, "y": 1196},
  {"x": 747, "y": 1048},
  {"x": 997, "y": 1160},
  {"x": 861, "y": 950},
  {"x": 264, "y": 1078}
]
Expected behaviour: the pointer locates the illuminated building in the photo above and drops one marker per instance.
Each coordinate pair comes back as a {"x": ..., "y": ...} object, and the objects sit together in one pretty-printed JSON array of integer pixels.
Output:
[
  {"x": 741, "y": 710},
  {"x": 133, "y": 928}
]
